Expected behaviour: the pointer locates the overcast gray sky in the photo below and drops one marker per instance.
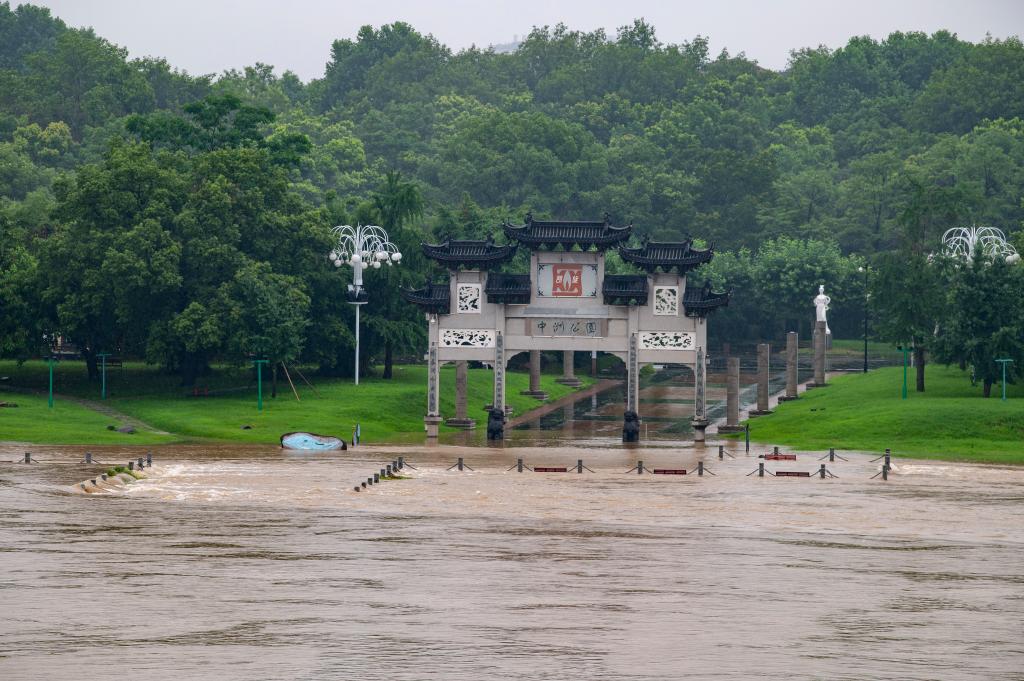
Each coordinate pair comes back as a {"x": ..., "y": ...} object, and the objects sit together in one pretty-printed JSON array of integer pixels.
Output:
[{"x": 209, "y": 36}]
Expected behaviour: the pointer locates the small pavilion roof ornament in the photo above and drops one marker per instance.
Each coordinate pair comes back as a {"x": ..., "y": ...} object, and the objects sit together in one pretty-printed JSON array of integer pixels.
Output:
[
  {"x": 550, "y": 234},
  {"x": 667, "y": 255},
  {"x": 700, "y": 301},
  {"x": 470, "y": 254}
]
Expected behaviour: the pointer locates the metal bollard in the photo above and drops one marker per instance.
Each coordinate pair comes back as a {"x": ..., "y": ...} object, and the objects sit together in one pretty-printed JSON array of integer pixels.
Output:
[
  {"x": 88, "y": 457},
  {"x": 700, "y": 468},
  {"x": 149, "y": 458},
  {"x": 831, "y": 453},
  {"x": 760, "y": 470},
  {"x": 579, "y": 465},
  {"x": 639, "y": 467},
  {"x": 376, "y": 478},
  {"x": 401, "y": 463},
  {"x": 721, "y": 452},
  {"x": 131, "y": 465},
  {"x": 822, "y": 471},
  {"x": 28, "y": 457},
  {"x": 460, "y": 463},
  {"x": 519, "y": 465},
  {"x": 746, "y": 433},
  {"x": 887, "y": 458},
  {"x": 885, "y": 472}
]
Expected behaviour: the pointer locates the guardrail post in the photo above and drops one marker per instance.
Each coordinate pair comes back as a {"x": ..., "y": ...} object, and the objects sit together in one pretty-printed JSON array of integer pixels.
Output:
[
  {"x": 131, "y": 465},
  {"x": 401, "y": 463},
  {"x": 700, "y": 468},
  {"x": 149, "y": 458},
  {"x": 760, "y": 469},
  {"x": 519, "y": 465},
  {"x": 831, "y": 453},
  {"x": 639, "y": 467},
  {"x": 822, "y": 471},
  {"x": 88, "y": 457},
  {"x": 579, "y": 465},
  {"x": 746, "y": 432},
  {"x": 721, "y": 452}
]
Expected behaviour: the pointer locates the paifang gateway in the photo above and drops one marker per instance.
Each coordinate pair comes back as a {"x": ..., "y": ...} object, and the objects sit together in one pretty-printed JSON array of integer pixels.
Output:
[{"x": 566, "y": 302}]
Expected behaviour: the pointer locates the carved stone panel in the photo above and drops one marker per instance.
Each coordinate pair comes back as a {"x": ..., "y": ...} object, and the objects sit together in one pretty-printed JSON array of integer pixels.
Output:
[
  {"x": 467, "y": 338},
  {"x": 666, "y": 300},
  {"x": 468, "y": 298},
  {"x": 667, "y": 340}
]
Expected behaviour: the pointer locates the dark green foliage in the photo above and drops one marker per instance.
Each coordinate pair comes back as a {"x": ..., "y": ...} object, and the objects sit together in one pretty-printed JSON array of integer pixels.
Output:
[{"x": 133, "y": 196}]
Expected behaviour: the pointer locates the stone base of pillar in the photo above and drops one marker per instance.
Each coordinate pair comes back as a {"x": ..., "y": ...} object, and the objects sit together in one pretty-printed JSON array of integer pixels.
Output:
[
  {"x": 570, "y": 381},
  {"x": 731, "y": 429},
  {"x": 699, "y": 428},
  {"x": 536, "y": 394},
  {"x": 432, "y": 423},
  {"x": 817, "y": 385},
  {"x": 467, "y": 423},
  {"x": 787, "y": 398},
  {"x": 757, "y": 412}
]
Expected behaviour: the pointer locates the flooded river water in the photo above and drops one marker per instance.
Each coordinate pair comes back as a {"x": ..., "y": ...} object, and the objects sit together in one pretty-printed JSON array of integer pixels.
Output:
[{"x": 249, "y": 563}]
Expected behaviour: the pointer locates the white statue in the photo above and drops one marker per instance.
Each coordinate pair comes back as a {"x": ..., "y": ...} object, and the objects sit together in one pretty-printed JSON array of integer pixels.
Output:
[{"x": 821, "y": 302}]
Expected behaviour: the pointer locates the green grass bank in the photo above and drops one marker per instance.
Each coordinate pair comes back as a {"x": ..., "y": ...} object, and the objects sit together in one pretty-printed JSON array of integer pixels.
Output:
[
  {"x": 388, "y": 410},
  {"x": 950, "y": 420}
]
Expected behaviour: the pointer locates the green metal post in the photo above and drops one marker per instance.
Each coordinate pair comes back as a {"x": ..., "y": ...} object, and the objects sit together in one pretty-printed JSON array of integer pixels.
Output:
[
  {"x": 259, "y": 382},
  {"x": 1004, "y": 362},
  {"x": 103, "y": 373},
  {"x": 50, "y": 400},
  {"x": 905, "y": 351}
]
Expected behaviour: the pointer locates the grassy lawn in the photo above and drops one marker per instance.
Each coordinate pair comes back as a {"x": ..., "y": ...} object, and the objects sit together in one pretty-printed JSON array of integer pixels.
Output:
[
  {"x": 67, "y": 423},
  {"x": 950, "y": 420},
  {"x": 388, "y": 411}
]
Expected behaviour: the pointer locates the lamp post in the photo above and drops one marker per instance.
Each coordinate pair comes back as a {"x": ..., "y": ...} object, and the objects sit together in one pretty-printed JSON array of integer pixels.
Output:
[
  {"x": 866, "y": 296},
  {"x": 1004, "y": 362},
  {"x": 361, "y": 247},
  {"x": 905, "y": 349}
]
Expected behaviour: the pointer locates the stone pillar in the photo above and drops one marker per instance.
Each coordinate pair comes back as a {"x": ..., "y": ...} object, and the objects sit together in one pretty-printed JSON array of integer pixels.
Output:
[
  {"x": 593, "y": 363},
  {"x": 700, "y": 411},
  {"x": 819, "y": 355},
  {"x": 763, "y": 359},
  {"x": 496, "y": 411},
  {"x": 792, "y": 365},
  {"x": 433, "y": 418},
  {"x": 461, "y": 419},
  {"x": 631, "y": 417},
  {"x": 732, "y": 397},
  {"x": 535, "y": 390},
  {"x": 568, "y": 371}
]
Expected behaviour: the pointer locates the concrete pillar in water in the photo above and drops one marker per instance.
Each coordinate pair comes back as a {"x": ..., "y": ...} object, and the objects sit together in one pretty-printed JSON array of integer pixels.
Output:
[
  {"x": 461, "y": 419},
  {"x": 792, "y": 358},
  {"x": 763, "y": 359},
  {"x": 433, "y": 418},
  {"x": 732, "y": 397},
  {"x": 700, "y": 412},
  {"x": 568, "y": 371},
  {"x": 631, "y": 417},
  {"x": 535, "y": 390},
  {"x": 819, "y": 355}
]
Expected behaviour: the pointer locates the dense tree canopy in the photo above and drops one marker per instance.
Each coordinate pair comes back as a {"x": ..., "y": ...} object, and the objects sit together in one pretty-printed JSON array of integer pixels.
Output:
[{"x": 137, "y": 201}]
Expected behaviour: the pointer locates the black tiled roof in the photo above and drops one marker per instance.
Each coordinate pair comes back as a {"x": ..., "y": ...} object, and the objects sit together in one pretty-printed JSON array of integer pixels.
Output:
[
  {"x": 512, "y": 289},
  {"x": 700, "y": 301},
  {"x": 549, "y": 234},
  {"x": 625, "y": 289},
  {"x": 677, "y": 255},
  {"x": 434, "y": 297},
  {"x": 470, "y": 254}
]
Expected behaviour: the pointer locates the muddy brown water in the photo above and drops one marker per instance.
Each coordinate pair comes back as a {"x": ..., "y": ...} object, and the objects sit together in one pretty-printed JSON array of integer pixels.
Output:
[{"x": 251, "y": 563}]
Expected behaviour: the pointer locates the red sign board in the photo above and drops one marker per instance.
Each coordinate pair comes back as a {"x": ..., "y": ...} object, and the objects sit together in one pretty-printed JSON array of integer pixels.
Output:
[{"x": 567, "y": 280}]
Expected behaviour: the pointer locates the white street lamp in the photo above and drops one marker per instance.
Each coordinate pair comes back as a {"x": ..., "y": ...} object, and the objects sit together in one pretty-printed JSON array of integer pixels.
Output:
[{"x": 361, "y": 247}]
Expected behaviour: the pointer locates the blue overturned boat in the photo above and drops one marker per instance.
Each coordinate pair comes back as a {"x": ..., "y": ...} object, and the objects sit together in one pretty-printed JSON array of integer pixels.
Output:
[{"x": 311, "y": 442}]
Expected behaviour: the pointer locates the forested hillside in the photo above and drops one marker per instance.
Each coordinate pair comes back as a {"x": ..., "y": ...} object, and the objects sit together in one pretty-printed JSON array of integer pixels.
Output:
[{"x": 178, "y": 217}]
